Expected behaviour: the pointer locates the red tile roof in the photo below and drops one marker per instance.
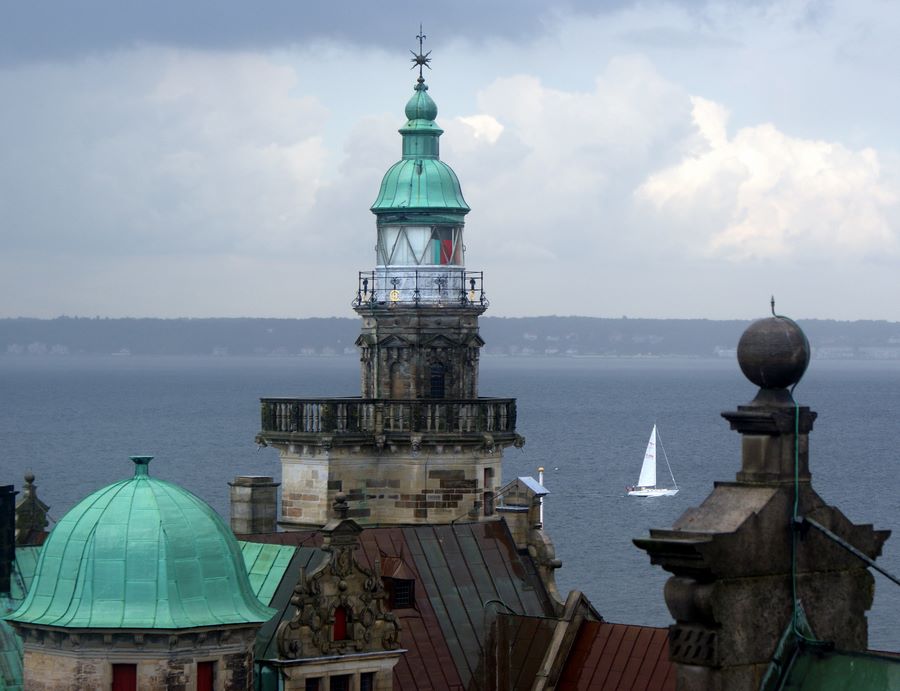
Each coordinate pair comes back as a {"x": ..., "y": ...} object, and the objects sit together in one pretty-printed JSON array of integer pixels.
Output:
[{"x": 618, "y": 657}]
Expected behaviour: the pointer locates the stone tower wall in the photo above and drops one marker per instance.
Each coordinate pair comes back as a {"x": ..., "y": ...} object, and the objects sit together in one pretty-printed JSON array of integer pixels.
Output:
[
  {"x": 399, "y": 345},
  {"x": 393, "y": 486}
]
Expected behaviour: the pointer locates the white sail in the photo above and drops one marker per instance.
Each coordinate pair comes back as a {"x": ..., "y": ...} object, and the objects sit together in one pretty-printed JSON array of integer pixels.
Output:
[{"x": 648, "y": 469}]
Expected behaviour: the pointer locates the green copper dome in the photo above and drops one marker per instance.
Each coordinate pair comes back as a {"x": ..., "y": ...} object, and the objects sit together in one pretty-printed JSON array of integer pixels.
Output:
[
  {"x": 420, "y": 181},
  {"x": 141, "y": 554}
]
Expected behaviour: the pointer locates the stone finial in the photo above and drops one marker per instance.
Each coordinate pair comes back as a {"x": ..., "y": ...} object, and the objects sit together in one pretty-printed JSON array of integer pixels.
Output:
[
  {"x": 31, "y": 513},
  {"x": 340, "y": 506},
  {"x": 773, "y": 354}
]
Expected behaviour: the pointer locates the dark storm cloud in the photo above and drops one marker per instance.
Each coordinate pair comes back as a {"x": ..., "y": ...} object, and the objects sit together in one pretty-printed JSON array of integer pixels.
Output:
[{"x": 64, "y": 30}]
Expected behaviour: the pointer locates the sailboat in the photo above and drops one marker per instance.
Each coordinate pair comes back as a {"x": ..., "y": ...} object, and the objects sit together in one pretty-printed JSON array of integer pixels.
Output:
[{"x": 646, "y": 485}]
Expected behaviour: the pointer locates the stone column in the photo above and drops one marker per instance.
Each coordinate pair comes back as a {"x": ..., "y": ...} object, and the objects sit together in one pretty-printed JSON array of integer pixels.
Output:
[{"x": 732, "y": 591}]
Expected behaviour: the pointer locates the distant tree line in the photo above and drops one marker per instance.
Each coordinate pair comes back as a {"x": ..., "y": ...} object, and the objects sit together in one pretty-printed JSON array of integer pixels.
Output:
[{"x": 546, "y": 336}]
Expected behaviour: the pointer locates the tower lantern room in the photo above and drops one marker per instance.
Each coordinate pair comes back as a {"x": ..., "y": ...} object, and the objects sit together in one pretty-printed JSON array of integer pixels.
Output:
[
  {"x": 420, "y": 213},
  {"x": 419, "y": 445}
]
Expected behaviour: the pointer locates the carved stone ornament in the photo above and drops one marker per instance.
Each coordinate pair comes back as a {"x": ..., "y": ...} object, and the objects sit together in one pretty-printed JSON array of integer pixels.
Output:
[{"x": 340, "y": 596}]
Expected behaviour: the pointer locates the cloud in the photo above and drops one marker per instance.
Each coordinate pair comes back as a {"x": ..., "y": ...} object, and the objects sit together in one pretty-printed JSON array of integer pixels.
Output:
[
  {"x": 483, "y": 127},
  {"x": 763, "y": 194},
  {"x": 547, "y": 182},
  {"x": 159, "y": 151}
]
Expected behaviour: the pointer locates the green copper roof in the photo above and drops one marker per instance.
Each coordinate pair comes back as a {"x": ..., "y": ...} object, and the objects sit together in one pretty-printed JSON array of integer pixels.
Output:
[
  {"x": 420, "y": 181},
  {"x": 141, "y": 553},
  {"x": 11, "y": 672},
  {"x": 837, "y": 671},
  {"x": 266, "y": 565}
]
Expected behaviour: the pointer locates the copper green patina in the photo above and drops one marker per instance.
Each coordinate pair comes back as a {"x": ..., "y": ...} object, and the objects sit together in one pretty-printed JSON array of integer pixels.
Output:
[
  {"x": 420, "y": 181},
  {"x": 141, "y": 553}
]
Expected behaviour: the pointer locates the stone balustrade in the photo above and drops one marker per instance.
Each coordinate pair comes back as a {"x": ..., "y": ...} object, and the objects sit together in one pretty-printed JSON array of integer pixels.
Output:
[{"x": 302, "y": 420}]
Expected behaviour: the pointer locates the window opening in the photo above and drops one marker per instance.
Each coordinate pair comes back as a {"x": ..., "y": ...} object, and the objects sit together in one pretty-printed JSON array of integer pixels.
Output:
[
  {"x": 124, "y": 677},
  {"x": 340, "y": 624},
  {"x": 206, "y": 676},
  {"x": 402, "y": 593},
  {"x": 341, "y": 682},
  {"x": 437, "y": 380},
  {"x": 367, "y": 681},
  {"x": 488, "y": 504},
  {"x": 313, "y": 684}
]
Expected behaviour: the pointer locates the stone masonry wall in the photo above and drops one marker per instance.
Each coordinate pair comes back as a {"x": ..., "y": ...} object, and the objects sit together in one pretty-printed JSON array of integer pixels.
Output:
[{"x": 393, "y": 486}]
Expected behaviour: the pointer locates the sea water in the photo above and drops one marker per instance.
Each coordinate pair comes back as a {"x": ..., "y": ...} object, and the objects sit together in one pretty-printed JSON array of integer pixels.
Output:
[{"x": 73, "y": 422}]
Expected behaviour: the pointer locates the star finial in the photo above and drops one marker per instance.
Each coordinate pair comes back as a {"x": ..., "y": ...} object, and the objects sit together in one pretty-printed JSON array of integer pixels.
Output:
[{"x": 419, "y": 59}]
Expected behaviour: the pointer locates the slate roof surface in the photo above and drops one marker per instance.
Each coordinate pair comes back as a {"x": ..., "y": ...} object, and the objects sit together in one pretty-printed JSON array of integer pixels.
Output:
[
  {"x": 618, "y": 657},
  {"x": 456, "y": 568},
  {"x": 527, "y": 641}
]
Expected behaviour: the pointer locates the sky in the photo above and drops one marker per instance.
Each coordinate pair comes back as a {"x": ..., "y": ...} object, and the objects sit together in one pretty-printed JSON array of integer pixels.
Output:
[{"x": 217, "y": 158}]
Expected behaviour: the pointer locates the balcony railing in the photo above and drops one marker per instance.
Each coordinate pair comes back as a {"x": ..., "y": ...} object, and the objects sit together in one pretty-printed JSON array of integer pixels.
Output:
[
  {"x": 289, "y": 418},
  {"x": 443, "y": 285}
]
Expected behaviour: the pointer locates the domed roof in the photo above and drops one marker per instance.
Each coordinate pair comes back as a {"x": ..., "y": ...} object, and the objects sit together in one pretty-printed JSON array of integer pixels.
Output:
[
  {"x": 141, "y": 553},
  {"x": 426, "y": 184},
  {"x": 420, "y": 181}
]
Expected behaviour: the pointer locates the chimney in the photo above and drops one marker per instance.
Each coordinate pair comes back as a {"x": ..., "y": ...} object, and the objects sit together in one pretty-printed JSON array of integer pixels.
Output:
[
  {"x": 253, "y": 504},
  {"x": 7, "y": 536},
  {"x": 732, "y": 594}
]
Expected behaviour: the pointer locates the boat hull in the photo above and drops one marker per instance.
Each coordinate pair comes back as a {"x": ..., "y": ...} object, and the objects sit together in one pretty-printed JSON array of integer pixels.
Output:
[{"x": 652, "y": 492}]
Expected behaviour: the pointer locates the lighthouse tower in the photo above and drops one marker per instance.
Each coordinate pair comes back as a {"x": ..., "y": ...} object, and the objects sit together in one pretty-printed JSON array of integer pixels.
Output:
[{"x": 419, "y": 445}]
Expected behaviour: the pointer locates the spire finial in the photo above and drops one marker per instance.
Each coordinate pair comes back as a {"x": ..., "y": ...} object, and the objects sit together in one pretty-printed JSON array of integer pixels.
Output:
[{"x": 420, "y": 59}]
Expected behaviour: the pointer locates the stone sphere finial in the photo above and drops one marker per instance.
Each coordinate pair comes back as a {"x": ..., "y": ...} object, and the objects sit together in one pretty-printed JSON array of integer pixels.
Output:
[
  {"x": 340, "y": 505},
  {"x": 773, "y": 353}
]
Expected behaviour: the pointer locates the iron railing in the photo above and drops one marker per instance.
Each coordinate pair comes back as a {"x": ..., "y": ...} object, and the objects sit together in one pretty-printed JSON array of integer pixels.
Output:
[{"x": 394, "y": 285}]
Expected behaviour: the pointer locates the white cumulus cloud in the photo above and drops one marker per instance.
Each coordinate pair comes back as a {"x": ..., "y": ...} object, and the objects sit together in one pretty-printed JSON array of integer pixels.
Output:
[{"x": 762, "y": 193}]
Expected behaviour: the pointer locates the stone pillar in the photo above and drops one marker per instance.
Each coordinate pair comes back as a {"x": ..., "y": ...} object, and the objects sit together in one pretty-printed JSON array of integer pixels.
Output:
[
  {"x": 732, "y": 593},
  {"x": 253, "y": 504}
]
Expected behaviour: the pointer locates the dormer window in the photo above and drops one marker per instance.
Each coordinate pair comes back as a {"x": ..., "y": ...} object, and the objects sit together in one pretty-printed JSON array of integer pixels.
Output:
[{"x": 401, "y": 593}]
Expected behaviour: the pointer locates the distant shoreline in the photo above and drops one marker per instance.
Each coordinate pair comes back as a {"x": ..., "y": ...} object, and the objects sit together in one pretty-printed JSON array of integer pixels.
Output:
[{"x": 538, "y": 337}]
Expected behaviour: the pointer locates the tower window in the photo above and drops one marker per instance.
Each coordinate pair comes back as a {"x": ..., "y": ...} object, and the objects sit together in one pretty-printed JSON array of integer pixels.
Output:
[
  {"x": 367, "y": 681},
  {"x": 314, "y": 684},
  {"x": 437, "y": 380},
  {"x": 488, "y": 494},
  {"x": 420, "y": 246}
]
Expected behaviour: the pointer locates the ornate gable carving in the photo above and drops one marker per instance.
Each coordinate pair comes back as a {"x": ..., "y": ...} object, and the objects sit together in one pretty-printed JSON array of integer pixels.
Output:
[
  {"x": 440, "y": 340},
  {"x": 340, "y": 606},
  {"x": 394, "y": 341}
]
